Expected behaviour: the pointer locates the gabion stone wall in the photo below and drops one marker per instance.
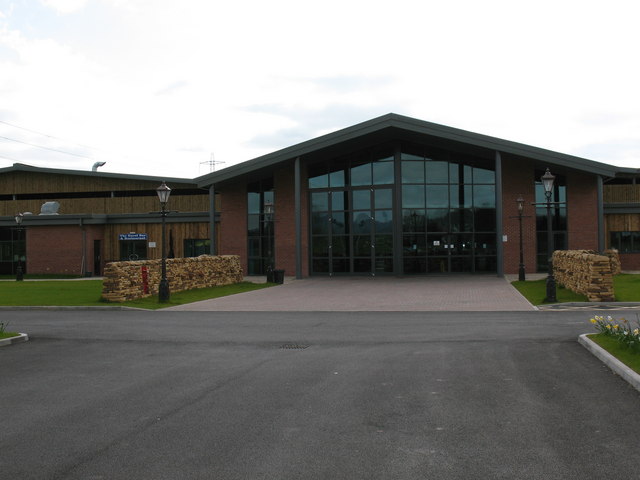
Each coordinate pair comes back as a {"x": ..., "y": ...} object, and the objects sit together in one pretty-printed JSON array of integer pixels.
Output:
[
  {"x": 131, "y": 280},
  {"x": 584, "y": 272},
  {"x": 614, "y": 260}
]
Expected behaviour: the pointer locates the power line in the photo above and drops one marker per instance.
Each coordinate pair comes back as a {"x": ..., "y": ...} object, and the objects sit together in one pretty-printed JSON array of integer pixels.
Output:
[
  {"x": 46, "y": 148},
  {"x": 48, "y": 136}
]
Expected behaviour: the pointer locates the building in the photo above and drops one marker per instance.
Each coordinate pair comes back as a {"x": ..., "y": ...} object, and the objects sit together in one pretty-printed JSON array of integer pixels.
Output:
[
  {"x": 390, "y": 196},
  {"x": 96, "y": 218}
]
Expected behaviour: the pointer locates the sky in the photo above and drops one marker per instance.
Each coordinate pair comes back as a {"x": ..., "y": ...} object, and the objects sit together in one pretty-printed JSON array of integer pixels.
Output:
[{"x": 161, "y": 87}]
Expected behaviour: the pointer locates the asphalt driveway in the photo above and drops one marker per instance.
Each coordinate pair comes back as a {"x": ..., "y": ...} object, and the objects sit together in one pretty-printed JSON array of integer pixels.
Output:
[{"x": 324, "y": 395}]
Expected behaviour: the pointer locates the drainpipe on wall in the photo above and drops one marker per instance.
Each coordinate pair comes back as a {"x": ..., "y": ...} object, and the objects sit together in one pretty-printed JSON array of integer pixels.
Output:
[
  {"x": 601, "y": 239},
  {"x": 84, "y": 249},
  {"x": 499, "y": 232}
]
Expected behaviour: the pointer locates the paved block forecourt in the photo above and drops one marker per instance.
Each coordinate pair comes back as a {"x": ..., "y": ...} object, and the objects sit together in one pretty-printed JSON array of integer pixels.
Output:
[{"x": 352, "y": 294}]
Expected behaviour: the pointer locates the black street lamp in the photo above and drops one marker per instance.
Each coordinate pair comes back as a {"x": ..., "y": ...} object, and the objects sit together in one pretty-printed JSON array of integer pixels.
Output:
[
  {"x": 269, "y": 211},
  {"x": 19, "y": 273},
  {"x": 547, "y": 182},
  {"x": 520, "y": 202},
  {"x": 163, "y": 194}
]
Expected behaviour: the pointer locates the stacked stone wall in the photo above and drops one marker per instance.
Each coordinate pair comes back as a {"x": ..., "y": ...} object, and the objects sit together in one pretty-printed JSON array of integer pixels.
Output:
[
  {"x": 131, "y": 280},
  {"x": 584, "y": 272},
  {"x": 614, "y": 260}
]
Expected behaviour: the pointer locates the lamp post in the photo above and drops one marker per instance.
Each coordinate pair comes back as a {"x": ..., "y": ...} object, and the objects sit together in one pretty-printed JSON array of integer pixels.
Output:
[
  {"x": 19, "y": 273},
  {"x": 520, "y": 202},
  {"x": 163, "y": 194},
  {"x": 547, "y": 182},
  {"x": 268, "y": 223}
]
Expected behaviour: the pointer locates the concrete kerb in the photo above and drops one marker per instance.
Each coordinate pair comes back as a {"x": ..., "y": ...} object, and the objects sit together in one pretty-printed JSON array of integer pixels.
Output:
[
  {"x": 610, "y": 361},
  {"x": 20, "y": 338}
]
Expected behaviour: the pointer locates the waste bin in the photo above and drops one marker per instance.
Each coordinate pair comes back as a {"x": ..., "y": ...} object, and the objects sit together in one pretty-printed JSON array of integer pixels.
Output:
[
  {"x": 278, "y": 276},
  {"x": 270, "y": 275}
]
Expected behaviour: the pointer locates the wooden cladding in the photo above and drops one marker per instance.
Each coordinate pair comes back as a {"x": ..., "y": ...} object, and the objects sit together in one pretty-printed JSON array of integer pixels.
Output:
[
  {"x": 178, "y": 231},
  {"x": 36, "y": 182},
  {"x": 621, "y": 193},
  {"x": 190, "y": 203},
  {"x": 622, "y": 222}
]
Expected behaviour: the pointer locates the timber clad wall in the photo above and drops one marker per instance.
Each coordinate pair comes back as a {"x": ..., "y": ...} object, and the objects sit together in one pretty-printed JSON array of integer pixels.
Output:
[
  {"x": 621, "y": 193},
  {"x": 25, "y": 183},
  {"x": 180, "y": 231}
]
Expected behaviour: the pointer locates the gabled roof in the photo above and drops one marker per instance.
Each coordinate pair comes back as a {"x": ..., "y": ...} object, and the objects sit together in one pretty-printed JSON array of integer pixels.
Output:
[
  {"x": 21, "y": 167},
  {"x": 414, "y": 126}
]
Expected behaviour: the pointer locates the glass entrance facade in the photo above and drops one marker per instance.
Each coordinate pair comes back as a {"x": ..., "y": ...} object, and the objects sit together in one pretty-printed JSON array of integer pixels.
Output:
[{"x": 403, "y": 209}]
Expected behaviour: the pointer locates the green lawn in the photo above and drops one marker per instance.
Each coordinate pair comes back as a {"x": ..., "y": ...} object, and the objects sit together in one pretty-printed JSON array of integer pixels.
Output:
[
  {"x": 87, "y": 293},
  {"x": 8, "y": 335},
  {"x": 626, "y": 287},
  {"x": 630, "y": 358},
  {"x": 536, "y": 290}
]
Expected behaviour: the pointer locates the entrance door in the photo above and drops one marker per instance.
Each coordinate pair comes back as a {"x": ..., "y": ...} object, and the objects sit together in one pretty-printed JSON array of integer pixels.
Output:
[
  {"x": 449, "y": 252},
  {"x": 352, "y": 231},
  {"x": 97, "y": 258}
]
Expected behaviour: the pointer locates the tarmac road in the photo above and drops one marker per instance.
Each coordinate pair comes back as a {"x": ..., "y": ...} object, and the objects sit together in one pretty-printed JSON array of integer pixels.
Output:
[{"x": 205, "y": 395}]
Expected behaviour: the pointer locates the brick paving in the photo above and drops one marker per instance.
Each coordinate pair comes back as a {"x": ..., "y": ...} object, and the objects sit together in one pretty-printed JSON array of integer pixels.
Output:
[{"x": 389, "y": 294}]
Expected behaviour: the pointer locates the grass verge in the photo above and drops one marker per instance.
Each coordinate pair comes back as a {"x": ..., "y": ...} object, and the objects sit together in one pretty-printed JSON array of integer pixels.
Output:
[
  {"x": 630, "y": 358},
  {"x": 87, "y": 294},
  {"x": 4, "y": 335},
  {"x": 536, "y": 290}
]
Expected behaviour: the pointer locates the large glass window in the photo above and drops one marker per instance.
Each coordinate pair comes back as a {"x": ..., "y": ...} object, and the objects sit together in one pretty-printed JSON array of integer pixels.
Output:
[
  {"x": 448, "y": 205},
  {"x": 625, "y": 242},
  {"x": 260, "y": 225},
  {"x": 443, "y": 202},
  {"x": 558, "y": 218},
  {"x": 194, "y": 247}
]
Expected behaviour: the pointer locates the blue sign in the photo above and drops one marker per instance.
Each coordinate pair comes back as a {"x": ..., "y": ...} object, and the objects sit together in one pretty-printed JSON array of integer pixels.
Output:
[{"x": 133, "y": 236}]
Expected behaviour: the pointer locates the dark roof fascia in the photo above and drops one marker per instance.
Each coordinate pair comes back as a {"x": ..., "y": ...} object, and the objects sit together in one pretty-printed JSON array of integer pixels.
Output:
[
  {"x": 21, "y": 167},
  {"x": 422, "y": 127},
  {"x": 101, "y": 219},
  {"x": 612, "y": 208},
  {"x": 298, "y": 150}
]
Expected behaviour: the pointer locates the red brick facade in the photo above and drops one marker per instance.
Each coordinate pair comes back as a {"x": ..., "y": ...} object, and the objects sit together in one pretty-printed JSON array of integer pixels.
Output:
[
  {"x": 233, "y": 222},
  {"x": 67, "y": 249},
  {"x": 518, "y": 180},
  {"x": 582, "y": 211}
]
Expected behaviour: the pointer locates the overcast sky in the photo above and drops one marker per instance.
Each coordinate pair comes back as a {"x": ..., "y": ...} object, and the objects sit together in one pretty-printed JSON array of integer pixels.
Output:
[{"x": 156, "y": 86}]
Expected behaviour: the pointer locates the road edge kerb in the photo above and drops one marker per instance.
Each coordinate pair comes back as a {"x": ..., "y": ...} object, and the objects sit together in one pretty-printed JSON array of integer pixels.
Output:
[
  {"x": 63, "y": 307},
  {"x": 610, "y": 361},
  {"x": 20, "y": 338}
]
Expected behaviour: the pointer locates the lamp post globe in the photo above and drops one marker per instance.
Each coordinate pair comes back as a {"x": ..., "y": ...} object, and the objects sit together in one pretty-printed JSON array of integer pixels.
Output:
[{"x": 163, "y": 192}]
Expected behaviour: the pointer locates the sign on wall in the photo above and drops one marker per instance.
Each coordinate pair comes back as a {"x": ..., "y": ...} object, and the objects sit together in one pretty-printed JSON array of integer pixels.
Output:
[{"x": 133, "y": 236}]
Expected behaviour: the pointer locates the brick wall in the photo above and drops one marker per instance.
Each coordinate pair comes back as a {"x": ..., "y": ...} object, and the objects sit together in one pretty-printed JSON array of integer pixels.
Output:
[
  {"x": 53, "y": 249},
  {"x": 582, "y": 211},
  {"x": 233, "y": 222},
  {"x": 285, "y": 219},
  {"x": 518, "y": 180},
  {"x": 126, "y": 280}
]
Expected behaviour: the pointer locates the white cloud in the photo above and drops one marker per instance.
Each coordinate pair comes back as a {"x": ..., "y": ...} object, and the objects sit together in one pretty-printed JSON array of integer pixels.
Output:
[
  {"x": 165, "y": 83},
  {"x": 65, "y": 6}
]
